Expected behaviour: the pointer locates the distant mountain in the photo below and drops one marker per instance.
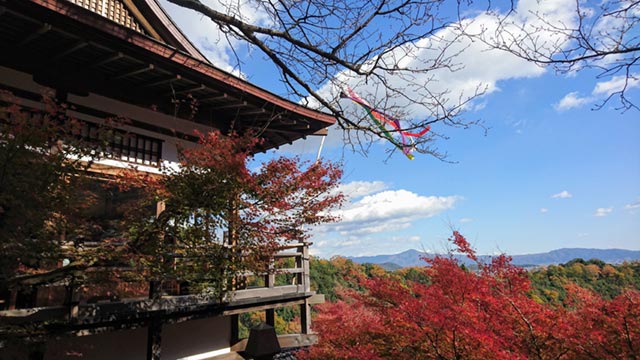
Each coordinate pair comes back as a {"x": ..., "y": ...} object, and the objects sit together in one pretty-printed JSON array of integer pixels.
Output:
[{"x": 413, "y": 257}]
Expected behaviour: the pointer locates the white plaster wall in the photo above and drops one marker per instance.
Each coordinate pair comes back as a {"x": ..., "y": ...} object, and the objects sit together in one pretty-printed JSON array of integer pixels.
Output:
[
  {"x": 196, "y": 339},
  {"x": 189, "y": 340}
]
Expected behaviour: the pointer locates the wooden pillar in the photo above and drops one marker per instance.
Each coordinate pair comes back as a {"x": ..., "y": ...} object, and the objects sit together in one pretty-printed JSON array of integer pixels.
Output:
[
  {"x": 270, "y": 317},
  {"x": 72, "y": 298},
  {"x": 13, "y": 296},
  {"x": 306, "y": 279},
  {"x": 235, "y": 329},
  {"x": 270, "y": 279},
  {"x": 155, "y": 289},
  {"x": 305, "y": 308},
  {"x": 305, "y": 318},
  {"x": 154, "y": 337}
]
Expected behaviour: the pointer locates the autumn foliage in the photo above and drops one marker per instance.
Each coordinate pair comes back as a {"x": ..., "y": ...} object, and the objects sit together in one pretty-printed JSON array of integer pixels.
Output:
[
  {"x": 460, "y": 314},
  {"x": 201, "y": 222},
  {"x": 220, "y": 217}
]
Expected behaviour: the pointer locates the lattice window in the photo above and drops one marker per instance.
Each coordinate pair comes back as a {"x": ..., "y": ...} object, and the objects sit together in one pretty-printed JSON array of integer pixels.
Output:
[
  {"x": 125, "y": 146},
  {"x": 113, "y": 10}
]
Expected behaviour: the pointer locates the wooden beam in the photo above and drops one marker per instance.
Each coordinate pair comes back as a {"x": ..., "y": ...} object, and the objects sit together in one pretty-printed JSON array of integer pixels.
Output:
[
  {"x": 281, "y": 131},
  {"x": 262, "y": 307},
  {"x": 132, "y": 72},
  {"x": 114, "y": 57},
  {"x": 215, "y": 98},
  {"x": 43, "y": 29},
  {"x": 286, "y": 341},
  {"x": 297, "y": 340},
  {"x": 162, "y": 81},
  {"x": 142, "y": 20},
  {"x": 316, "y": 299},
  {"x": 70, "y": 50},
  {"x": 253, "y": 112},
  {"x": 231, "y": 106},
  {"x": 286, "y": 255},
  {"x": 189, "y": 90}
]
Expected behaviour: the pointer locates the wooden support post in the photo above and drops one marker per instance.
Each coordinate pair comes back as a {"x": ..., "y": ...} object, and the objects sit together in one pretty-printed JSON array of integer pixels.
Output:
[
  {"x": 270, "y": 317},
  {"x": 72, "y": 301},
  {"x": 155, "y": 291},
  {"x": 306, "y": 280},
  {"x": 13, "y": 297},
  {"x": 271, "y": 276},
  {"x": 235, "y": 329},
  {"x": 154, "y": 337},
  {"x": 305, "y": 308},
  {"x": 305, "y": 318}
]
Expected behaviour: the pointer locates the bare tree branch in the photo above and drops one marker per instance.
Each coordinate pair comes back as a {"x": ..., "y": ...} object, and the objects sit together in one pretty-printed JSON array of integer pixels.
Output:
[
  {"x": 394, "y": 52},
  {"x": 321, "y": 47},
  {"x": 603, "y": 36}
]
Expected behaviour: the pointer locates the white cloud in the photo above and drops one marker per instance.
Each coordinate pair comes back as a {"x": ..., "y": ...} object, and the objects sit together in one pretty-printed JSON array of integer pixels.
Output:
[
  {"x": 615, "y": 84},
  {"x": 394, "y": 206},
  {"x": 376, "y": 221},
  {"x": 603, "y": 211},
  {"x": 572, "y": 100},
  {"x": 465, "y": 220},
  {"x": 356, "y": 189},
  {"x": 206, "y": 35},
  {"x": 562, "y": 195},
  {"x": 601, "y": 90},
  {"x": 544, "y": 210},
  {"x": 633, "y": 206}
]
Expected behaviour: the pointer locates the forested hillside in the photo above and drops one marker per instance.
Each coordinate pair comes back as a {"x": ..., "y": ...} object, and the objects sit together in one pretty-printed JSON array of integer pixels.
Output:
[
  {"x": 446, "y": 310},
  {"x": 548, "y": 283}
]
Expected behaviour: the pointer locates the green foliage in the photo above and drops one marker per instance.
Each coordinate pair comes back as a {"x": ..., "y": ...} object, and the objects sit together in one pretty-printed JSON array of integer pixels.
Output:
[
  {"x": 549, "y": 284},
  {"x": 328, "y": 277},
  {"x": 287, "y": 321}
]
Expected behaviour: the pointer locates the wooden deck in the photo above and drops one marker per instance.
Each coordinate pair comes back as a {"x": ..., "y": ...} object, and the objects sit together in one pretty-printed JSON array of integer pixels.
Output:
[{"x": 86, "y": 318}]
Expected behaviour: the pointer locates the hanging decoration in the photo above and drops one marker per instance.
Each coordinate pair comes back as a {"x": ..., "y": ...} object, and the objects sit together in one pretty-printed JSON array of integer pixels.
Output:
[{"x": 406, "y": 143}]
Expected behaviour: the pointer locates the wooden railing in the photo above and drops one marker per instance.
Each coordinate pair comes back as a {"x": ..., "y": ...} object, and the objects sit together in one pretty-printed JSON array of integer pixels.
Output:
[
  {"x": 298, "y": 274},
  {"x": 288, "y": 274},
  {"x": 269, "y": 294}
]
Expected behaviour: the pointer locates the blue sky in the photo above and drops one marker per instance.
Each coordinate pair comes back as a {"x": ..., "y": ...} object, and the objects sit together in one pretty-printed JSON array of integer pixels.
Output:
[{"x": 549, "y": 173}]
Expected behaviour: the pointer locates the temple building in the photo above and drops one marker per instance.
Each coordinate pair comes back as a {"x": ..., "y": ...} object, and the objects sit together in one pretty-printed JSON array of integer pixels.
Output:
[{"x": 126, "y": 59}]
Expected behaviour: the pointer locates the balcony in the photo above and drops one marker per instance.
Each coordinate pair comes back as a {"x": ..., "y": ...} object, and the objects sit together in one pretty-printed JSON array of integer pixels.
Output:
[{"x": 281, "y": 285}]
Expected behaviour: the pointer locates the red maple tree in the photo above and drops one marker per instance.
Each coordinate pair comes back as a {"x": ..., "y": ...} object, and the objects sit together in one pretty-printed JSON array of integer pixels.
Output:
[{"x": 222, "y": 218}]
